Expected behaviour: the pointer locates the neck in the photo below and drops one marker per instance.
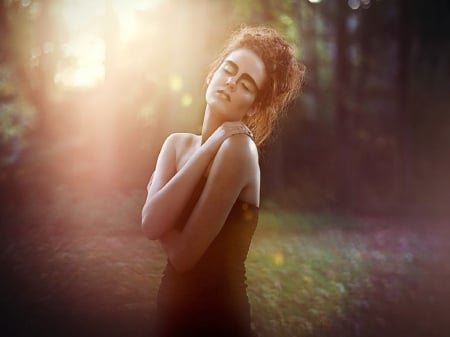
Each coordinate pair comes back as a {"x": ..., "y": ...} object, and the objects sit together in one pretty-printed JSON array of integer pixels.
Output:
[{"x": 210, "y": 124}]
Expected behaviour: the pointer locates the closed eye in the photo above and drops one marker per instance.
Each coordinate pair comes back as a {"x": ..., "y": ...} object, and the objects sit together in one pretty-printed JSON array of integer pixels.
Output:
[
  {"x": 228, "y": 69},
  {"x": 247, "y": 82},
  {"x": 247, "y": 85}
]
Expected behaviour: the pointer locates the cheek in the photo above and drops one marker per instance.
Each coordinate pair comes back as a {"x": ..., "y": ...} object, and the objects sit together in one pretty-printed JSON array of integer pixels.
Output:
[
  {"x": 248, "y": 99},
  {"x": 215, "y": 78},
  {"x": 211, "y": 83},
  {"x": 244, "y": 104}
]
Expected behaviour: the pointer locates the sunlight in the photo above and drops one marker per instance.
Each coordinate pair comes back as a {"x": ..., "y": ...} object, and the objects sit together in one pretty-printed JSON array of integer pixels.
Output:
[
  {"x": 126, "y": 11},
  {"x": 87, "y": 23},
  {"x": 87, "y": 70}
]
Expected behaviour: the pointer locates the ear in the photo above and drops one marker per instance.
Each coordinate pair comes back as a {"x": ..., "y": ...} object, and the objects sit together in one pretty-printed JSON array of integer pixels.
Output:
[{"x": 250, "y": 113}]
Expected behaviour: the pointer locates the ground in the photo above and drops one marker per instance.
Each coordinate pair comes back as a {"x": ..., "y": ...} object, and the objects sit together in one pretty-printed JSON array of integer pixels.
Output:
[{"x": 77, "y": 265}]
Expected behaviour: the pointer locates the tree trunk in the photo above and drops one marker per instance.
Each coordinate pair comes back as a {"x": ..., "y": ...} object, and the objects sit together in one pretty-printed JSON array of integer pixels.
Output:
[
  {"x": 344, "y": 183},
  {"x": 403, "y": 118}
]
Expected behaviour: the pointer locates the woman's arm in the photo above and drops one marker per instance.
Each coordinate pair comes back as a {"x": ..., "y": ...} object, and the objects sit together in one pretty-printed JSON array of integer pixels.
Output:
[
  {"x": 232, "y": 169},
  {"x": 170, "y": 189}
]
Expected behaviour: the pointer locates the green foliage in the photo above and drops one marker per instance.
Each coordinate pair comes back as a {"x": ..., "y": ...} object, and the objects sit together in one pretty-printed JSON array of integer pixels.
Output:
[
  {"x": 16, "y": 118},
  {"x": 300, "y": 282},
  {"x": 273, "y": 219}
]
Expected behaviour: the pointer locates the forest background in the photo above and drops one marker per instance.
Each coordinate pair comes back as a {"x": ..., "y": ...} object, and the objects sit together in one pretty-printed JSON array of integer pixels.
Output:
[{"x": 90, "y": 90}]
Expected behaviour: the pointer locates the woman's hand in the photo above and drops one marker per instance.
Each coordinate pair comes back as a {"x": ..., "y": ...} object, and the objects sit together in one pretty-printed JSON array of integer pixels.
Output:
[
  {"x": 170, "y": 189},
  {"x": 224, "y": 131}
]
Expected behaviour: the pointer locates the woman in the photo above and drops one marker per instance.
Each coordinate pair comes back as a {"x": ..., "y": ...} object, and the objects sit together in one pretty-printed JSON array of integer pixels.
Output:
[{"x": 203, "y": 197}]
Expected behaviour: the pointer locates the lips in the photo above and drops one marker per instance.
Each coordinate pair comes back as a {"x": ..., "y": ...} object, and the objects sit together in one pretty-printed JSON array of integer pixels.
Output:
[{"x": 224, "y": 94}]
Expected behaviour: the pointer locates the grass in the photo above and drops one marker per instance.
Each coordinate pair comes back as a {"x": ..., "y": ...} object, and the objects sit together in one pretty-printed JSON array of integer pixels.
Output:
[{"x": 78, "y": 265}]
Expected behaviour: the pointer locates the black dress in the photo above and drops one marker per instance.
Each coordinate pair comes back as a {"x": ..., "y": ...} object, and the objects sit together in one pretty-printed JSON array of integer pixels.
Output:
[{"x": 211, "y": 299}]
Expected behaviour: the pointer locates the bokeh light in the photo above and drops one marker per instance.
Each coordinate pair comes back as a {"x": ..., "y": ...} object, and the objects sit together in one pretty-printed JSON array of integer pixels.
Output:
[
  {"x": 354, "y": 4},
  {"x": 186, "y": 100},
  {"x": 278, "y": 258},
  {"x": 175, "y": 83}
]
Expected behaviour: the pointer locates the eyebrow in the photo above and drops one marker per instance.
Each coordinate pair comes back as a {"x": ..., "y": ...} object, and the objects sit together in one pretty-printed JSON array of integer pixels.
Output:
[{"x": 245, "y": 75}]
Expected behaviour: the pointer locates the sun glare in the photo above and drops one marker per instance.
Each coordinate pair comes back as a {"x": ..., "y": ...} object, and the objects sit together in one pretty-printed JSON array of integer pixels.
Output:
[
  {"x": 87, "y": 69},
  {"x": 85, "y": 47}
]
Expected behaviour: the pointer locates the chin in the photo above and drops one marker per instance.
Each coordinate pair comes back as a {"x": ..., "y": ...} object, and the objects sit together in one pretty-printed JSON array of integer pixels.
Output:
[{"x": 217, "y": 106}]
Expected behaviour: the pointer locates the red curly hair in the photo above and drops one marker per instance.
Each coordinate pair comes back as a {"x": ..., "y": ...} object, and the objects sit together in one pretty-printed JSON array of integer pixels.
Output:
[{"x": 284, "y": 75}]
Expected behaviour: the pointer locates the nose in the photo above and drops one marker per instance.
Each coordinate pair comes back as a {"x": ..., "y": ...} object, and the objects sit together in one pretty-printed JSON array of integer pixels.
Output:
[{"x": 231, "y": 83}]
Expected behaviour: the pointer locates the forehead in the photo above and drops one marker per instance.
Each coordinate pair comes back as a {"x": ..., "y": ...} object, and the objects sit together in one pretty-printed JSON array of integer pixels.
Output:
[{"x": 250, "y": 63}]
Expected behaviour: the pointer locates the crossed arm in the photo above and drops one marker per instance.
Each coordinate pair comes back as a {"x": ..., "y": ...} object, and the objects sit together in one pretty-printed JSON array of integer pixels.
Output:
[
  {"x": 170, "y": 190},
  {"x": 228, "y": 176}
]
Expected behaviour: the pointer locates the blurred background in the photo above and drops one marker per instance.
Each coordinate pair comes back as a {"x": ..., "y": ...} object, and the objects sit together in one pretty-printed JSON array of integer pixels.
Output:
[
  {"x": 89, "y": 91},
  {"x": 359, "y": 167}
]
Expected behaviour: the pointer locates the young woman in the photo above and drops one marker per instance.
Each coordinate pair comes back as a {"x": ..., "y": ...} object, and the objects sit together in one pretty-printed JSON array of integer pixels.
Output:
[{"x": 203, "y": 197}]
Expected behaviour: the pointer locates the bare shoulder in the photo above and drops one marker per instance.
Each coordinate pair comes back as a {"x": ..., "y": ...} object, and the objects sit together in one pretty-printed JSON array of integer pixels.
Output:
[
  {"x": 182, "y": 137},
  {"x": 182, "y": 140},
  {"x": 239, "y": 148}
]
